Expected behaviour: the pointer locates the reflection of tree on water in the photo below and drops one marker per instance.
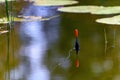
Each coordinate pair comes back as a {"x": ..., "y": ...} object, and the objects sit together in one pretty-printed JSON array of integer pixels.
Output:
[{"x": 36, "y": 36}]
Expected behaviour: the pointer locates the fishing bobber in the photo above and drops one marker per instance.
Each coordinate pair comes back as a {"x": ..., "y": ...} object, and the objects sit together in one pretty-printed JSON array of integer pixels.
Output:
[
  {"x": 76, "y": 33},
  {"x": 77, "y": 48},
  {"x": 53, "y": 2}
]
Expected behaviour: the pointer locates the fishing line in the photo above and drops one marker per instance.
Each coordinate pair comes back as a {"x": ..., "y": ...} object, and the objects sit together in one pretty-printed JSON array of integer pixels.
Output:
[
  {"x": 59, "y": 64},
  {"x": 49, "y": 18},
  {"x": 53, "y": 17},
  {"x": 69, "y": 54}
]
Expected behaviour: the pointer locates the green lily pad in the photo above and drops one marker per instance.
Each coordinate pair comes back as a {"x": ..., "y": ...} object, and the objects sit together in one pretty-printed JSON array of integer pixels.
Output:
[
  {"x": 22, "y": 18},
  {"x": 1, "y": 1},
  {"x": 3, "y": 21},
  {"x": 107, "y": 10},
  {"x": 101, "y": 10},
  {"x": 79, "y": 9},
  {"x": 115, "y": 20},
  {"x": 3, "y": 32},
  {"x": 53, "y": 2},
  {"x": 16, "y": 19}
]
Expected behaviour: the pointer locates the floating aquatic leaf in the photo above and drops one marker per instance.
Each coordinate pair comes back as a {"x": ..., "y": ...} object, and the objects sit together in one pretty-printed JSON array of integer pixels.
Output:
[
  {"x": 79, "y": 9},
  {"x": 91, "y": 9},
  {"x": 1, "y": 1},
  {"x": 2, "y": 32},
  {"x": 21, "y": 18},
  {"x": 3, "y": 21},
  {"x": 34, "y": 18},
  {"x": 54, "y": 2},
  {"x": 115, "y": 20},
  {"x": 107, "y": 10},
  {"x": 30, "y": 17}
]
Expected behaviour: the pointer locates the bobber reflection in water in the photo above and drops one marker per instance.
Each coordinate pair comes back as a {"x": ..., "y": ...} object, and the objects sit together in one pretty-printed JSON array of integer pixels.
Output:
[{"x": 77, "y": 48}]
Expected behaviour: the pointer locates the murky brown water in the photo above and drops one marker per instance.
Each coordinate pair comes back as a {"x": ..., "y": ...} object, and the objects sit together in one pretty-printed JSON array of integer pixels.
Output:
[{"x": 38, "y": 50}]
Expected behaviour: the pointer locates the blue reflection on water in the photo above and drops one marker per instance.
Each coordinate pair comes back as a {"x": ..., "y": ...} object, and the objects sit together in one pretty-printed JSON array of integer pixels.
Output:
[{"x": 35, "y": 37}]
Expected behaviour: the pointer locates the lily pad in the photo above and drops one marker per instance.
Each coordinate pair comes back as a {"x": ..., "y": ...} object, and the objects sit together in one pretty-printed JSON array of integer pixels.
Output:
[
  {"x": 21, "y": 18},
  {"x": 79, "y": 9},
  {"x": 54, "y": 2},
  {"x": 1, "y": 1},
  {"x": 101, "y": 10},
  {"x": 115, "y": 20},
  {"x": 2, "y": 32},
  {"x": 3, "y": 21},
  {"x": 107, "y": 10}
]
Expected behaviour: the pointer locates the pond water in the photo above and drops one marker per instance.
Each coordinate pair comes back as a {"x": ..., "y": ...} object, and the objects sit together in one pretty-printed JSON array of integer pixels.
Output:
[{"x": 39, "y": 50}]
